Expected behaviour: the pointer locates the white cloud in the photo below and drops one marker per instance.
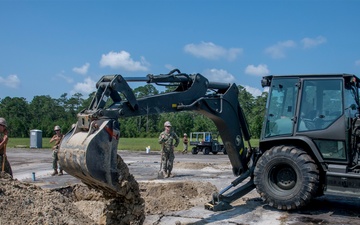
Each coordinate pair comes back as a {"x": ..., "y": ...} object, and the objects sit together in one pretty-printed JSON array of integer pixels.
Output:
[
  {"x": 123, "y": 60},
  {"x": 313, "y": 42},
  {"x": 66, "y": 78},
  {"x": 266, "y": 89},
  {"x": 219, "y": 76},
  {"x": 85, "y": 87},
  {"x": 357, "y": 62},
  {"x": 253, "y": 91},
  {"x": 209, "y": 50},
  {"x": 82, "y": 70},
  {"x": 223, "y": 76},
  {"x": 278, "y": 50},
  {"x": 260, "y": 70},
  {"x": 170, "y": 67},
  {"x": 11, "y": 81}
]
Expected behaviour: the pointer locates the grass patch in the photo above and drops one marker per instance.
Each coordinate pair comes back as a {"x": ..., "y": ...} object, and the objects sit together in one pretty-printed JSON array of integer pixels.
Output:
[
  {"x": 25, "y": 142},
  {"x": 124, "y": 143},
  {"x": 141, "y": 144},
  {"x": 133, "y": 144}
]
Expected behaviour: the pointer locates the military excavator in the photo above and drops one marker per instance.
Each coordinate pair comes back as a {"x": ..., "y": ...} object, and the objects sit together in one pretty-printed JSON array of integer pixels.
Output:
[{"x": 309, "y": 145}]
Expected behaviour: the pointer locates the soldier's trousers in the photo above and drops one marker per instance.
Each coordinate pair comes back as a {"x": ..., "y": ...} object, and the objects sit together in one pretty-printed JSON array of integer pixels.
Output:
[
  {"x": 7, "y": 167},
  {"x": 55, "y": 159},
  {"x": 185, "y": 148},
  {"x": 168, "y": 161}
]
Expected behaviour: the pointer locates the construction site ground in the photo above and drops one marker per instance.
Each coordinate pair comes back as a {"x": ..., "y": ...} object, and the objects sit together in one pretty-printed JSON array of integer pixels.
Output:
[{"x": 179, "y": 199}]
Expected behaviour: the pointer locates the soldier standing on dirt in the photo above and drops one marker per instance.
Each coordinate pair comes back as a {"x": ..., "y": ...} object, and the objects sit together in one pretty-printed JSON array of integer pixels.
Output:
[
  {"x": 57, "y": 138},
  {"x": 5, "y": 165},
  {"x": 166, "y": 139},
  {"x": 185, "y": 143}
]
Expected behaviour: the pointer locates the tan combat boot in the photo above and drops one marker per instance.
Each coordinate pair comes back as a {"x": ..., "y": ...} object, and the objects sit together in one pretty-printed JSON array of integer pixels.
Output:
[
  {"x": 54, "y": 173},
  {"x": 161, "y": 174}
]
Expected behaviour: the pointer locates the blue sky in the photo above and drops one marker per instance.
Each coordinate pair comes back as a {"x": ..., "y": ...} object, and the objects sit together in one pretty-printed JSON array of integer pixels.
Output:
[{"x": 55, "y": 47}]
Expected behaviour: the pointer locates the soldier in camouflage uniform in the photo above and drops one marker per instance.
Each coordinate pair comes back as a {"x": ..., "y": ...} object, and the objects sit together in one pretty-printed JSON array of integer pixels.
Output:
[
  {"x": 185, "y": 144},
  {"x": 166, "y": 139},
  {"x": 57, "y": 139},
  {"x": 3, "y": 142}
]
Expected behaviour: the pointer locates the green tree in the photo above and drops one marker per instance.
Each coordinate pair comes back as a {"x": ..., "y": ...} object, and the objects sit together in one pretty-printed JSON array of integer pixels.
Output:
[
  {"x": 146, "y": 123},
  {"x": 146, "y": 90},
  {"x": 16, "y": 112},
  {"x": 73, "y": 105},
  {"x": 254, "y": 110},
  {"x": 46, "y": 113},
  {"x": 86, "y": 102},
  {"x": 258, "y": 112}
]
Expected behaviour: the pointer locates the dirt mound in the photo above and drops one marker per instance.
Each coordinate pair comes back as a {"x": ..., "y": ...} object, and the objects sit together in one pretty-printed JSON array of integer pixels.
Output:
[
  {"x": 175, "y": 196},
  {"x": 102, "y": 209},
  {"x": 24, "y": 203}
]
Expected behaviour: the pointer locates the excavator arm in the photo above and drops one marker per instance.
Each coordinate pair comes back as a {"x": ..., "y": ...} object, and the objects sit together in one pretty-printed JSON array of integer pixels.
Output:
[{"x": 89, "y": 150}]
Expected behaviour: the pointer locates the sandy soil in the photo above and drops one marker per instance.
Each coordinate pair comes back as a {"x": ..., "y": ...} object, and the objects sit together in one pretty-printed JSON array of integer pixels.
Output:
[
  {"x": 24, "y": 203},
  {"x": 175, "y": 196},
  {"x": 149, "y": 200}
]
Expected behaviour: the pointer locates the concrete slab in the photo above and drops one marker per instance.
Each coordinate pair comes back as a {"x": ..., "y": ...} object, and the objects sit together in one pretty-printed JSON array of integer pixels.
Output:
[{"x": 248, "y": 210}]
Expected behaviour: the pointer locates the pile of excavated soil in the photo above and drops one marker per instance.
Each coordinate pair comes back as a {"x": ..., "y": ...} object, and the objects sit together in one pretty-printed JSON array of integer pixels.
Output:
[
  {"x": 102, "y": 209},
  {"x": 24, "y": 203},
  {"x": 175, "y": 196}
]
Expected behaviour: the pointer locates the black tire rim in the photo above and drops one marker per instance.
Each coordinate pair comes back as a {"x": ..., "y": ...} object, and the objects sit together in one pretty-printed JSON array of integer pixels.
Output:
[{"x": 282, "y": 177}]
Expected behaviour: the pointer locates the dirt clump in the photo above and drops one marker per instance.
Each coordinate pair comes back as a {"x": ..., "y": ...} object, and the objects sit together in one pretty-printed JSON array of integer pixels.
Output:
[
  {"x": 174, "y": 196},
  {"x": 24, "y": 203},
  {"x": 102, "y": 209}
]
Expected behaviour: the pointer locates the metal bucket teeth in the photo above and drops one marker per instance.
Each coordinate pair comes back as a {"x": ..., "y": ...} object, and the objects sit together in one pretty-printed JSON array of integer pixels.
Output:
[{"x": 91, "y": 155}]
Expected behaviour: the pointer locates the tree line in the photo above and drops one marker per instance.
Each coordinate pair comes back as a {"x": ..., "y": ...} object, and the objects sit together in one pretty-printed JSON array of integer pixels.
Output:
[{"x": 43, "y": 113}]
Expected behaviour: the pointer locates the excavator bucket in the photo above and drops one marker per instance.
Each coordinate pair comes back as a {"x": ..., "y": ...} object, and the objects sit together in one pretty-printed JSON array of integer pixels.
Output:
[{"x": 91, "y": 154}]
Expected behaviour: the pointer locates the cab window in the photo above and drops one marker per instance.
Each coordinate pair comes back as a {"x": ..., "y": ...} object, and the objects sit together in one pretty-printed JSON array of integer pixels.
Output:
[
  {"x": 281, "y": 107},
  {"x": 321, "y": 104}
]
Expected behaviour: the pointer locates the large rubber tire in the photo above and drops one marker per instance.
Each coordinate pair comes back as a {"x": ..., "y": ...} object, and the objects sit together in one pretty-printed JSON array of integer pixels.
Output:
[
  {"x": 286, "y": 177},
  {"x": 206, "y": 151},
  {"x": 194, "y": 151},
  {"x": 224, "y": 151}
]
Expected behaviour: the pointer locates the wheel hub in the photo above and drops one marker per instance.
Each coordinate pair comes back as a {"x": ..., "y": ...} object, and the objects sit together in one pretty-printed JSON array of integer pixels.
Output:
[{"x": 285, "y": 178}]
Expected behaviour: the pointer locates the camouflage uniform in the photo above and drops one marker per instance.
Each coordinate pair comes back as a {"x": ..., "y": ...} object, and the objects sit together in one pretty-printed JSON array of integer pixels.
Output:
[
  {"x": 167, "y": 155},
  {"x": 57, "y": 138},
  {"x": 185, "y": 144},
  {"x": 7, "y": 167}
]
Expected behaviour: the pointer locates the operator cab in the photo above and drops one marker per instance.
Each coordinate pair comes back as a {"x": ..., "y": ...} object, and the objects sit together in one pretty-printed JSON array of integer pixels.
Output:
[{"x": 316, "y": 108}]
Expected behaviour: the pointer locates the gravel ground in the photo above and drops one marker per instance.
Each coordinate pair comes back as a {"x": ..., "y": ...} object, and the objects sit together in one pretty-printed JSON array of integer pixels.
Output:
[{"x": 176, "y": 200}]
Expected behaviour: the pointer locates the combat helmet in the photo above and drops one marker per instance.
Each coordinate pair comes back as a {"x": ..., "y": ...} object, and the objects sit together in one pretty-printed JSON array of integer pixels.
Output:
[
  {"x": 167, "y": 124},
  {"x": 3, "y": 122}
]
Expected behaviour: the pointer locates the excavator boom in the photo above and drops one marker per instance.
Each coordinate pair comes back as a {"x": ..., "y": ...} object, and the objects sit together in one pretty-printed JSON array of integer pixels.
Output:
[{"x": 89, "y": 150}]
